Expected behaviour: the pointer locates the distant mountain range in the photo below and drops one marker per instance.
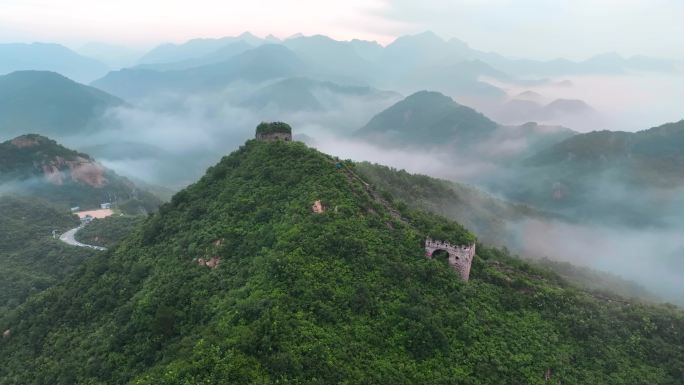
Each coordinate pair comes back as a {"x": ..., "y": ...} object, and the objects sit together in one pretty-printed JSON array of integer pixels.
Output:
[
  {"x": 652, "y": 156},
  {"x": 49, "y": 57},
  {"x": 409, "y": 64},
  {"x": 196, "y": 48},
  {"x": 305, "y": 94},
  {"x": 610, "y": 176},
  {"x": 266, "y": 62},
  {"x": 520, "y": 109},
  {"x": 429, "y": 119},
  {"x": 50, "y": 104},
  {"x": 113, "y": 55},
  {"x": 225, "y": 52},
  {"x": 407, "y": 53},
  {"x": 33, "y": 165}
]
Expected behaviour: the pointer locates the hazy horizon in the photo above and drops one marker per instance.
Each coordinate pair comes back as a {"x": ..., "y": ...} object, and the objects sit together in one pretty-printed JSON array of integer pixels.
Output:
[
  {"x": 601, "y": 26},
  {"x": 185, "y": 107}
]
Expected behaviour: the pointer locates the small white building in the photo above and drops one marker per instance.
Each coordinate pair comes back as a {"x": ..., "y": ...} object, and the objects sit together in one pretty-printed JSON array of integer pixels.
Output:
[
  {"x": 75, "y": 208},
  {"x": 105, "y": 205}
]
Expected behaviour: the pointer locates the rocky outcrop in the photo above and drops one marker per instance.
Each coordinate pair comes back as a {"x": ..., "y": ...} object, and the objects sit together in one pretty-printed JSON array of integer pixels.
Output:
[
  {"x": 79, "y": 170},
  {"x": 317, "y": 207}
]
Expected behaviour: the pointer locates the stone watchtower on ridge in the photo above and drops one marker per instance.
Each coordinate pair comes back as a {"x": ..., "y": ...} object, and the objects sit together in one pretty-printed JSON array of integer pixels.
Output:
[
  {"x": 269, "y": 132},
  {"x": 460, "y": 256}
]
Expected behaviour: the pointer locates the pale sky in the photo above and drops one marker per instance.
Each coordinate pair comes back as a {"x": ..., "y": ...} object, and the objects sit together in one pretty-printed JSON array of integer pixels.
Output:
[{"x": 574, "y": 29}]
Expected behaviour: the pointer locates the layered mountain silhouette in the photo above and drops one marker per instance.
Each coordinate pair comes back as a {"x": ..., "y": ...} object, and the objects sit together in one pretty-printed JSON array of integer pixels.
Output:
[
  {"x": 221, "y": 54},
  {"x": 196, "y": 48},
  {"x": 608, "y": 176},
  {"x": 50, "y": 104},
  {"x": 49, "y": 57},
  {"x": 305, "y": 94},
  {"x": 652, "y": 156},
  {"x": 430, "y": 119},
  {"x": 527, "y": 108},
  {"x": 267, "y": 62}
]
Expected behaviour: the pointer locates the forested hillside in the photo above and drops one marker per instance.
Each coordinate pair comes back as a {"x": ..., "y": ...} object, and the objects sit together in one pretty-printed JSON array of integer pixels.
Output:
[
  {"x": 615, "y": 177},
  {"x": 33, "y": 165},
  {"x": 487, "y": 216},
  {"x": 30, "y": 259},
  {"x": 107, "y": 232},
  {"x": 493, "y": 220},
  {"x": 343, "y": 295},
  {"x": 48, "y": 103}
]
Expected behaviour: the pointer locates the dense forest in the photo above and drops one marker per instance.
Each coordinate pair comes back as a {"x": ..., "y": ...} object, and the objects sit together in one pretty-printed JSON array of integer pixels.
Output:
[
  {"x": 478, "y": 211},
  {"x": 107, "y": 232},
  {"x": 346, "y": 295},
  {"x": 491, "y": 219},
  {"x": 34, "y": 165},
  {"x": 30, "y": 259}
]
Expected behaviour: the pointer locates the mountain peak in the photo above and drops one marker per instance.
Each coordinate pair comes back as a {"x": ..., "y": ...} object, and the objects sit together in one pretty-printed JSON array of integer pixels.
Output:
[
  {"x": 428, "y": 118},
  {"x": 429, "y": 35},
  {"x": 272, "y": 38},
  {"x": 423, "y": 38},
  {"x": 48, "y": 103},
  {"x": 30, "y": 140},
  {"x": 35, "y": 165}
]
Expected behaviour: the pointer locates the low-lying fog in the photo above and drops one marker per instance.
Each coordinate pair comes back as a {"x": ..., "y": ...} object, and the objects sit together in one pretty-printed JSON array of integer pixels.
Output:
[
  {"x": 171, "y": 140},
  {"x": 629, "y": 102}
]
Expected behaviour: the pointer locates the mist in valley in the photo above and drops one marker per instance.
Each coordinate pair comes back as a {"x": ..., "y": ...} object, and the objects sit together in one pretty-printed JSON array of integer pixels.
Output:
[
  {"x": 648, "y": 249},
  {"x": 170, "y": 139},
  {"x": 391, "y": 191},
  {"x": 176, "y": 123}
]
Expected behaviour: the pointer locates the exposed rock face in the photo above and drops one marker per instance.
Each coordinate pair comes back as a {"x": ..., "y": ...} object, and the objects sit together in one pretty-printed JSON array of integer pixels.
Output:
[
  {"x": 212, "y": 262},
  {"x": 7, "y": 333},
  {"x": 80, "y": 170},
  {"x": 88, "y": 172},
  {"x": 317, "y": 207},
  {"x": 460, "y": 256}
]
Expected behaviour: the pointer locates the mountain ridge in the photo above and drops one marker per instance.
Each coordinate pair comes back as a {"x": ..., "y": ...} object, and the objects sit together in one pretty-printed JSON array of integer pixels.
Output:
[
  {"x": 338, "y": 293},
  {"x": 37, "y": 166},
  {"x": 49, "y": 57},
  {"x": 48, "y": 103}
]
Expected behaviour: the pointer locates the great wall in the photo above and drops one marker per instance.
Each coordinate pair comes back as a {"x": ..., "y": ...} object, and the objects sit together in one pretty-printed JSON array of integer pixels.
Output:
[{"x": 460, "y": 257}]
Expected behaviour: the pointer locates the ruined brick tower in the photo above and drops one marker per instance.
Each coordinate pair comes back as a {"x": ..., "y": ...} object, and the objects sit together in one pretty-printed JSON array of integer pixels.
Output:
[
  {"x": 273, "y": 131},
  {"x": 460, "y": 256}
]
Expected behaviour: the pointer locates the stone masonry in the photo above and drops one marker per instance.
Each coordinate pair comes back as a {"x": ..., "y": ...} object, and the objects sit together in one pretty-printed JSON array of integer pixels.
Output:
[
  {"x": 460, "y": 256},
  {"x": 273, "y": 136}
]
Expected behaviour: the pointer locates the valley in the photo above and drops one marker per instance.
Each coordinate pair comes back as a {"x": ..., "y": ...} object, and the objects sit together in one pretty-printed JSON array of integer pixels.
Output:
[{"x": 342, "y": 195}]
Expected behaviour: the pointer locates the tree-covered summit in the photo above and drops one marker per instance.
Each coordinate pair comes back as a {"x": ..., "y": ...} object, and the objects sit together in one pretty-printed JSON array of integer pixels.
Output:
[
  {"x": 34, "y": 165},
  {"x": 338, "y": 295},
  {"x": 273, "y": 127}
]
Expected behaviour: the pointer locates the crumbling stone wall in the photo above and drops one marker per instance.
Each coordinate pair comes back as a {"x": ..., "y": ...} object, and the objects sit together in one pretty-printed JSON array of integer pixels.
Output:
[
  {"x": 273, "y": 136},
  {"x": 460, "y": 256}
]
